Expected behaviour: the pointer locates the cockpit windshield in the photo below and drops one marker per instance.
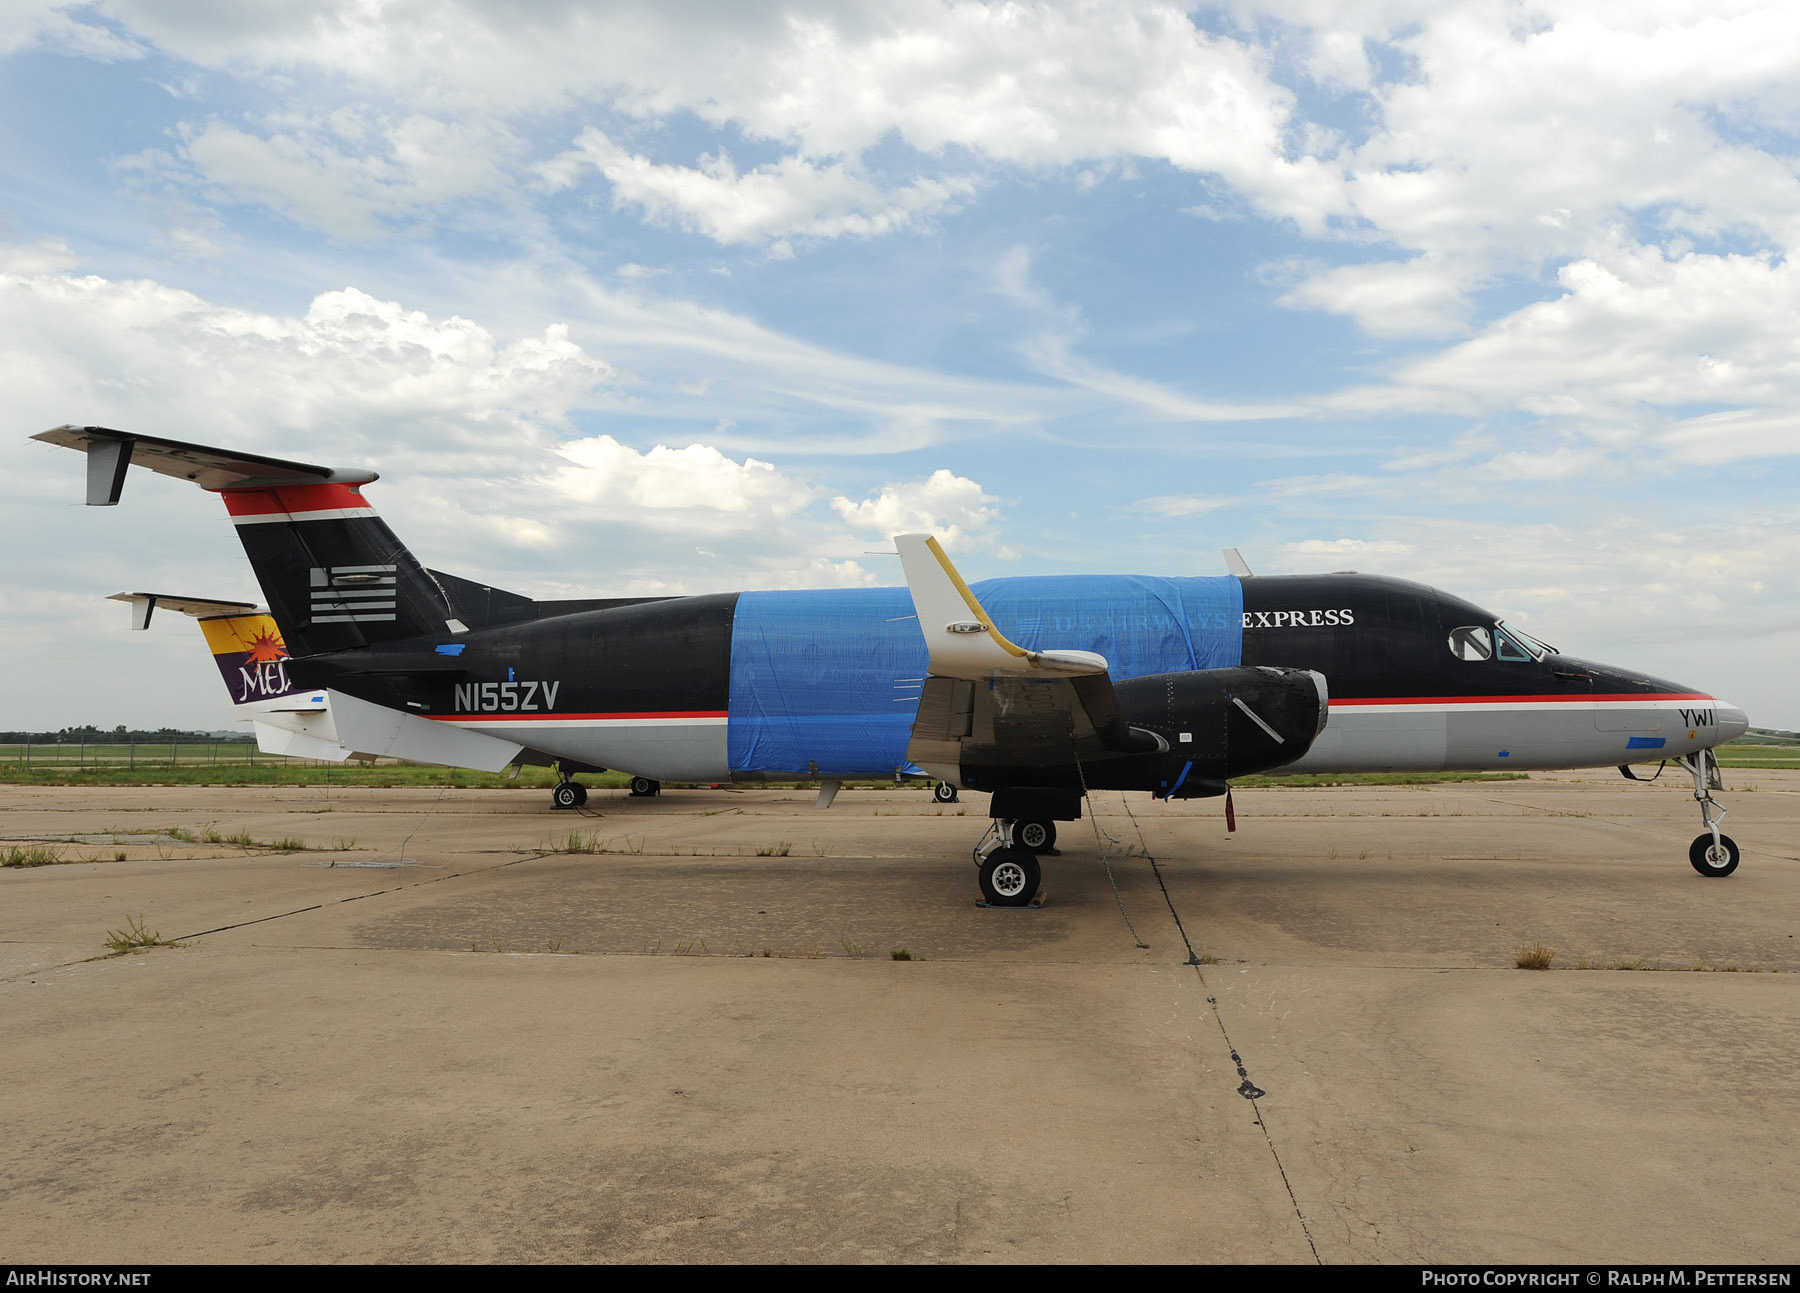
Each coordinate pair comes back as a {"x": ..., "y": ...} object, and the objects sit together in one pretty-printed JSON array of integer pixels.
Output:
[
  {"x": 1532, "y": 647},
  {"x": 1478, "y": 642}
]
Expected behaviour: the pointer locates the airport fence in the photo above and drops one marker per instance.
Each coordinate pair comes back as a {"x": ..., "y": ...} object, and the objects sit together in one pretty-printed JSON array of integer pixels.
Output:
[{"x": 143, "y": 754}]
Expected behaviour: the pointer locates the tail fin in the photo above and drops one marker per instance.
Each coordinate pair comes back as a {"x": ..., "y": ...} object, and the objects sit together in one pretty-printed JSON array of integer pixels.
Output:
[{"x": 332, "y": 572}]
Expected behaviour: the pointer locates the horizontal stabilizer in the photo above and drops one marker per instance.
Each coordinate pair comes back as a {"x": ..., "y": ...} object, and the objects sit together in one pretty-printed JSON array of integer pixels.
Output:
[
  {"x": 111, "y": 452},
  {"x": 960, "y": 635},
  {"x": 375, "y": 729},
  {"x": 279, "y": 738},
  {"x": 143, "y": 605}
]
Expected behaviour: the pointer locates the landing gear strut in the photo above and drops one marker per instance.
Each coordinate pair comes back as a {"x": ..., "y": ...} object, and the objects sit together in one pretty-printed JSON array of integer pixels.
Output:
[
  {"x": 1009, "y": 873},
  {"x": 1711, "y": 853},
  {"x": 568, "y": 794}
]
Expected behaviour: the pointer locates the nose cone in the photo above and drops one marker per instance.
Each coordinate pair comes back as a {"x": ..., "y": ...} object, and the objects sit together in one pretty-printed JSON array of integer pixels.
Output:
[
  {"x": 1733, "y": 722},
  {"x": 1712, "y": 720}
]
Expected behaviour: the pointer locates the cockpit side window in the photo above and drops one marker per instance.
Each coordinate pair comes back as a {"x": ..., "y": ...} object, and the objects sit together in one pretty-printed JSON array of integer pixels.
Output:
[{"x": 1471, "y": 642}]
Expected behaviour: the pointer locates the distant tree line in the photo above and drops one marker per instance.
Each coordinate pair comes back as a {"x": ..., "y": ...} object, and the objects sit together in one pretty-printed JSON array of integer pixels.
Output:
[{"x": 121, "y": 735}]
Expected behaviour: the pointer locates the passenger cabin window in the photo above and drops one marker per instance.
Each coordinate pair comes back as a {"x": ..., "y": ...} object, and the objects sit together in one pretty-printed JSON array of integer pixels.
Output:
[{"x": 1471, "y": 642}]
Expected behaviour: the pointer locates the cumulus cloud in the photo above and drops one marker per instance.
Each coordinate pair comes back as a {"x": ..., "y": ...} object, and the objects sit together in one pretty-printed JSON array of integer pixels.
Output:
[
  {"x": 50, "y": 24},
  {"x": 132, "y": 350},
  {"x": 1421, "y": 297},
  {"x": 1633, "y": 334},
  {"x": 957, "y": 510},
  {"x": 1495, "y": 137},
  {"x": 696, "y": 489},
  {"x": 1522, "y": 136},
  {"x": 355, "y": 175},
  {"x": 1025, "y": 84}
]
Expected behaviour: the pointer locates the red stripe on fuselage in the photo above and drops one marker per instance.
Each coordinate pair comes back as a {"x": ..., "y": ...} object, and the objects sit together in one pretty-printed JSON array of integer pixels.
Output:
[
  {"x": 1556, "y": 699},
  {"x": 501, "y": 716},
  {"x": 293, "y": 499}
]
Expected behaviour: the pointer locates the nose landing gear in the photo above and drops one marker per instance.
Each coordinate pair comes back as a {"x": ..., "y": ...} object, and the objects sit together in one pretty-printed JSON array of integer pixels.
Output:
[{"x": 1712, "y": 853}]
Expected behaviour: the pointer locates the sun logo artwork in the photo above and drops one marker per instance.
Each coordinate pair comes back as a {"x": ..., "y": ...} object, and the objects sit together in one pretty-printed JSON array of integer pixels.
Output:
[{"x": 266, "y": 646}]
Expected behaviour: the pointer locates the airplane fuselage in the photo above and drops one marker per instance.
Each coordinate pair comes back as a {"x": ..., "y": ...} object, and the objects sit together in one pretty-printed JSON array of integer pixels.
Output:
[{"x": 824, "y": 683}]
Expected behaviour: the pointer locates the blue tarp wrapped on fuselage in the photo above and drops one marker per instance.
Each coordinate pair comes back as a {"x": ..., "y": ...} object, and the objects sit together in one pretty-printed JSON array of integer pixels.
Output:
[{"x": 826, "y": 681}]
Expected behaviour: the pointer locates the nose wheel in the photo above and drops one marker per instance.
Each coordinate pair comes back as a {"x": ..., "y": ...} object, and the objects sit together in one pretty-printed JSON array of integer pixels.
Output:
[
  {"x": 1712, "y": 857},
  {"x": 1712, "y": 853}
]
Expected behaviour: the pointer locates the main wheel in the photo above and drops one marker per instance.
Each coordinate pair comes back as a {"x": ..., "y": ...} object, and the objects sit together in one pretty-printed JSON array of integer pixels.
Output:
[
  {"x": 1009, "y": 878},
  {"x": 568, "y": 794},
  {"x": 1711, "y": 859},
  {"x": 643, "y": 787},
  {"x": 1039, "y": 837},
  {"x": 944, "y": 792}
]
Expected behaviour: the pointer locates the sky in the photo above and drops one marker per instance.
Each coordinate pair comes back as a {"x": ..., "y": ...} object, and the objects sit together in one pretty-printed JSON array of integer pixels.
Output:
[{"x": 685, "y": 297}]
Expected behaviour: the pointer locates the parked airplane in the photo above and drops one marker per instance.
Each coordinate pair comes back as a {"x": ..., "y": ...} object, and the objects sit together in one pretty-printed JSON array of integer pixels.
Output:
[{"x": 1036, "y": 689}]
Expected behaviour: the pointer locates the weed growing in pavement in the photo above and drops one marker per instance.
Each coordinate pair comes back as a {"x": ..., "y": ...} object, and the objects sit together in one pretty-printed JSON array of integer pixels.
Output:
[
  {"x": 1534, "y": 956},
  {"x": 134, "y": 936}
]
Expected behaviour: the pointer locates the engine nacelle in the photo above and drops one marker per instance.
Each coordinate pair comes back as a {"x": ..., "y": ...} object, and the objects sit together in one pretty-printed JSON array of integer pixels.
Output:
[{"x": 1225, "y": 723}]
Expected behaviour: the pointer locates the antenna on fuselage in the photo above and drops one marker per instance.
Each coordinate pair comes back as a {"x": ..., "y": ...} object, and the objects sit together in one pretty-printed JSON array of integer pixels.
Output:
[{"x": 1235, "y": 563}]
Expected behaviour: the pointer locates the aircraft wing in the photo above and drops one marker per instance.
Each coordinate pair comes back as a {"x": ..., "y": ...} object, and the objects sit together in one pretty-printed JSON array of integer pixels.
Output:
[{"x": 989, "y": 701}]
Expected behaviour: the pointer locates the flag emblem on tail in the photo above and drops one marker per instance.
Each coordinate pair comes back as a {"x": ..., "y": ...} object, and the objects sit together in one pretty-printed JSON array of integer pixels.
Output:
[{"x": 353, "y": 594}]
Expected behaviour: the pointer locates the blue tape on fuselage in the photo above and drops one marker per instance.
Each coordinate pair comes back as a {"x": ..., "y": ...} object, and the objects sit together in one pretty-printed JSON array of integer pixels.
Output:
[
  {"x": 830, "y": 678},
  {"x": 1645, "y": 742}
]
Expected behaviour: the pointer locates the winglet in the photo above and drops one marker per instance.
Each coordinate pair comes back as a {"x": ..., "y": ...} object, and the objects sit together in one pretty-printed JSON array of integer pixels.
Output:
[
  {"x": 960, "y": 634},
  {"x": 1235, "y": 563}
]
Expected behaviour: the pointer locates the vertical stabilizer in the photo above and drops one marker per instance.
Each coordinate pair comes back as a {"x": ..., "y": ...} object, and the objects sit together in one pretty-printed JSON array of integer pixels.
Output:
[{"x": 334, "y": 574}]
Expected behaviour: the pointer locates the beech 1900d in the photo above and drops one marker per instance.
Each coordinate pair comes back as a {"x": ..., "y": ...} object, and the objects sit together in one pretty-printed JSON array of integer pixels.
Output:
[{"x": 1033, "y": 689}]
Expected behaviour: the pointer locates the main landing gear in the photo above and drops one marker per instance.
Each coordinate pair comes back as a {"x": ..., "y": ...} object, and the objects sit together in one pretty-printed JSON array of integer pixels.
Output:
[
  {"x": 1711, "y": 853},
  {"x": 644, "y": 788},
  {"x": 569, "y": 793},
  {"x": 944, "y": 792},
  {"x": 1008, "y": 869}
]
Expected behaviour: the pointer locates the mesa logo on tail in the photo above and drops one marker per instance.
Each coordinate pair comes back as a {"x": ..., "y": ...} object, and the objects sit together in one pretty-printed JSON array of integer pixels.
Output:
[{"x": 251, "y": 656}]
